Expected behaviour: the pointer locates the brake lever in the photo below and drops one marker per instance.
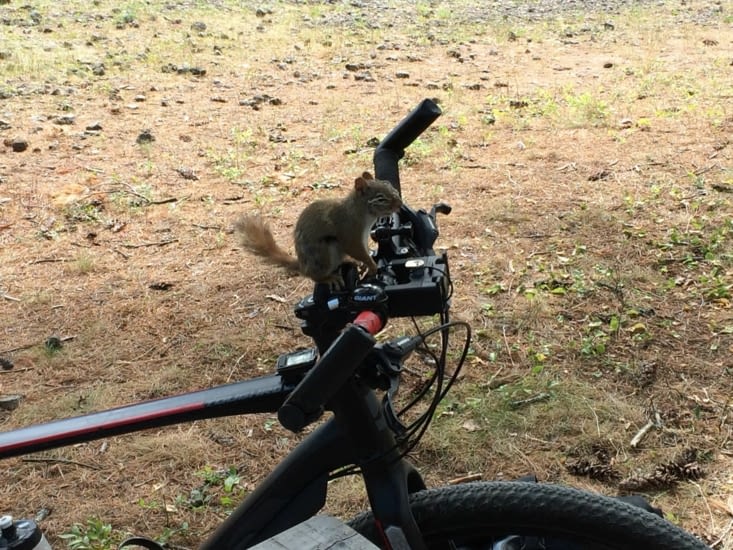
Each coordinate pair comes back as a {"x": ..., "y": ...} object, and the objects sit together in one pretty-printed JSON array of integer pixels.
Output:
[
  {"x": 383, "y": 365},
  {"x": 401, "y": 348},
  {"x": 440, "y": 208},
  {"x": 382, "y": 370},
  {"x": 396, "y": 351}
]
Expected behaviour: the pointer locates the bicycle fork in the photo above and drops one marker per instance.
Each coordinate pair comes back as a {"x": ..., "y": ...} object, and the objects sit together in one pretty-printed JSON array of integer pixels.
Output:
[{"x": 389, "y": 478}]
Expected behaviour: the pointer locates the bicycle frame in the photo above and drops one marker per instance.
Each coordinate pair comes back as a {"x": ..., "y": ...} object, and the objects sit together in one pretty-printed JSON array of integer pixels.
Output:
[{"x": 296, "y": 489}]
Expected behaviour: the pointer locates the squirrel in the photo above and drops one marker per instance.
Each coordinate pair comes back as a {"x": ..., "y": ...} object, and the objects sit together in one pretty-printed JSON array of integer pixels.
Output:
[{"x": 326, "y": 232}]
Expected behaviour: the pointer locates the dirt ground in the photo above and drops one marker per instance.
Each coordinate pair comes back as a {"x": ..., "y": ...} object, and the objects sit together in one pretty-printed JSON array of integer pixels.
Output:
[{"x": 587, "y": 159}]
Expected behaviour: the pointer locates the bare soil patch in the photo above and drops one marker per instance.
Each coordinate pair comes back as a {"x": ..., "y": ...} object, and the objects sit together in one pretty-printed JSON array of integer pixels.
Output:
[{"x": 587, "y": 158}]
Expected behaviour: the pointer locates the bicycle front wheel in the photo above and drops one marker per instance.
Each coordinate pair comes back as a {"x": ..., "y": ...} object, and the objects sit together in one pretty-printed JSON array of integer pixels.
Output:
[{"x": 516, "y": 515}]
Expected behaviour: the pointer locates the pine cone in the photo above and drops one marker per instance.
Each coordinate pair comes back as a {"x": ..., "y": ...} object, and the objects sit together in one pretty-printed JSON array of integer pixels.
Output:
[
  {"x": 684, "y": 467},
  {"x": 593, "y": 470}
]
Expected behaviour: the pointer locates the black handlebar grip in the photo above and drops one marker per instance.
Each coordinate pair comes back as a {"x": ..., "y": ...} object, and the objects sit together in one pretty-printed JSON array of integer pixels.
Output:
[
  {"x": 392, "y": 148},
  {"x": 305, "y": 404}
]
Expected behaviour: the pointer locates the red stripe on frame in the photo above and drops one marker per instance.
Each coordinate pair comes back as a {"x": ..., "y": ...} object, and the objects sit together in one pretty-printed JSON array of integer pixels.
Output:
[{"x": 104, "y": 426}]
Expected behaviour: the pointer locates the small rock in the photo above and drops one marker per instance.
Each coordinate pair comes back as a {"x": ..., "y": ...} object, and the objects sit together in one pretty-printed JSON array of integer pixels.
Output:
[
  {"x": 256, "y": 101},
  {"x": 402, "y": 74},
  {"x": 65, "y": 120},
  {"x": 607, "y": 65},
  {"x": 19, "y": 145},
  {"x": 94, "y": 126},
  {"x": 140, "y": 98},
  {"x": 10, "y": 402},
  {"x": 4, "y": 124},
  {"x": 626, "y": 123},
  {"x": 198, "y": 26},
  {"x": 145, "y": 137},
  {"x": 160, "y": 286},
  {"x": 187, "y": 173},
  {"x": 183, "y": 69},
  {"x": 601, "y": 174},
  {"x": 364, "y": 77},
  {"x": 98, "y": 69},
  {"x": 5, "y": 363},
  {"x": 277, "y": 137}
]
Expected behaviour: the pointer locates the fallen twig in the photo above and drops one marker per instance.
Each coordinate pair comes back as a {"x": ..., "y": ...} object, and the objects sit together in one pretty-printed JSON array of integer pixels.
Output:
[
  {"x": 641, "y": 434},
  {"x": 534, "y": 399},
  {"x": 140, "y": 196},
  {"x": 121, "y": 253},
  {"x": 166, "y": 201},
  {"x": 14, "y": 370},
  {"x": 465, "y": 479},
  {"x": 48, "y": 261},
  {"x": 143, "y": 245},
  {"x": 51, "y": 460}
]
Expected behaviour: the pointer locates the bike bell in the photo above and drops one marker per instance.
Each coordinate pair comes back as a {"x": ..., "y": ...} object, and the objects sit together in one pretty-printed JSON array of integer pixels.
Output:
[{"x": 22, "y": 534}]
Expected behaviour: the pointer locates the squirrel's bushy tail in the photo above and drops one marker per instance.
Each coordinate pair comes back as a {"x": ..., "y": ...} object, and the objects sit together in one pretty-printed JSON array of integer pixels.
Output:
[{"x": 255, "y": 235}]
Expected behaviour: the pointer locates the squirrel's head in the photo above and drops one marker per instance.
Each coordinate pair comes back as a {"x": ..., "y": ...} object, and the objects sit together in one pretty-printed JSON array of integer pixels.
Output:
[{"x": 380, "y": 195}]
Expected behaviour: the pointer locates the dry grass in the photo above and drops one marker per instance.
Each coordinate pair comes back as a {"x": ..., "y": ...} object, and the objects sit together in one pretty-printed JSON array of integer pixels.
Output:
[{"x": 589, "y": 170}]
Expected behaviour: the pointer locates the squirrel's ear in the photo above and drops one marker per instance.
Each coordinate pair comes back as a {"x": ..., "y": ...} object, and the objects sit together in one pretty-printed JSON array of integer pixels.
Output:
[
  {"x": 360, "y": 183},
  {"x": 367, "y": 176}
]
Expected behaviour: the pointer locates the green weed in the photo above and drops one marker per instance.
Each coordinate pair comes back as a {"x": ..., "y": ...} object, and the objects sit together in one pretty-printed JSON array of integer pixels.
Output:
[
  {"x": 94, "y": 535},
  {"x": 586, "y": 108},
  {"x": 219, "y": 488}
]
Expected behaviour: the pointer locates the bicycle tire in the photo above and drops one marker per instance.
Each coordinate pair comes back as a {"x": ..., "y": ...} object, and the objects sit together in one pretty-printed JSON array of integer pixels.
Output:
[{"x": 476, "y": 515}]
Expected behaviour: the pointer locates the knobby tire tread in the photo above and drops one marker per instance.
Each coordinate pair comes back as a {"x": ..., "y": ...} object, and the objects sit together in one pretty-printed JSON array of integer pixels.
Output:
[{"x": 475, "y": 511}]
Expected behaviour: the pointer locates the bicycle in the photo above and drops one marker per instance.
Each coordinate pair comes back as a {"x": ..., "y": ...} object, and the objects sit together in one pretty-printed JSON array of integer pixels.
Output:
[{"x": 356, "y": 378}]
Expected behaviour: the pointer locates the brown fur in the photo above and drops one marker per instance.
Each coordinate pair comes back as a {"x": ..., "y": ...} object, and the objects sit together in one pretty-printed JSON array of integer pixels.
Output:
[
  {"x": 327, "y": 231},
  {"x": 255, "y": 235}
]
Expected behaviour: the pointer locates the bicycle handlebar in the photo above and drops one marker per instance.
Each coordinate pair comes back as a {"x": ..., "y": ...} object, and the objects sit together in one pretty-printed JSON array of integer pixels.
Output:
[{"x": 392, "y": 148}]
